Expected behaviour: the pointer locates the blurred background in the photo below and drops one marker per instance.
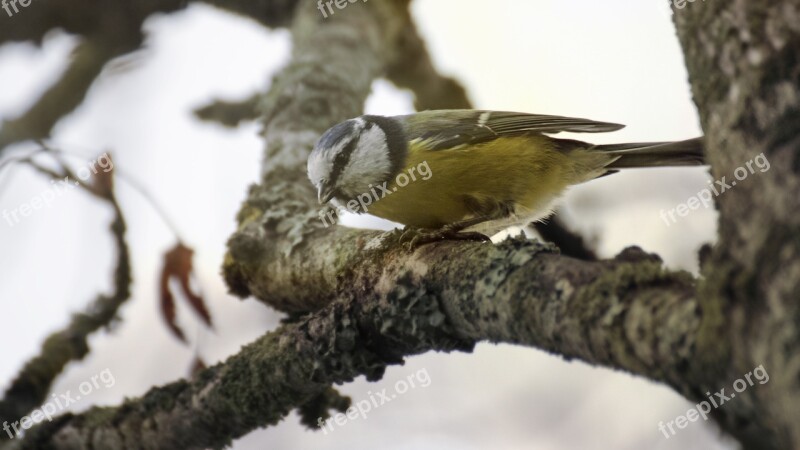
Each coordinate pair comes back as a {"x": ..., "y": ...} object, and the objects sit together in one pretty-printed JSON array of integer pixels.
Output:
[{"x": 615, "y": 60}]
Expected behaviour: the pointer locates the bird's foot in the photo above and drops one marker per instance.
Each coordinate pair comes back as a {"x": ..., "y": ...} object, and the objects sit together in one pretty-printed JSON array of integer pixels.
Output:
[{"x": 413, "y": 238}]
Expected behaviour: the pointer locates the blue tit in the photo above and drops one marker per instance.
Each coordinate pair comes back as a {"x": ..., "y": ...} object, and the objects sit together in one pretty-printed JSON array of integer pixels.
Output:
[{"x": 488, "y": 170}]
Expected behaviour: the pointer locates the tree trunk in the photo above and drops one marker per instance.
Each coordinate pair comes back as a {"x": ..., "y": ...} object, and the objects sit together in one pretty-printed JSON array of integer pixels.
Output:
[{"x": 744, "y": 66}]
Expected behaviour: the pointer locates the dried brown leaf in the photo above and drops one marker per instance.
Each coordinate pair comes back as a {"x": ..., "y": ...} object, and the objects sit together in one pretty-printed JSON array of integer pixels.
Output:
[{"x": 178, "y": 265}]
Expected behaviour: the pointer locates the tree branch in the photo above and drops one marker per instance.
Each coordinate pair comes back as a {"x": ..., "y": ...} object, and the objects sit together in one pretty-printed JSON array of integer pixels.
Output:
[
  {"x": 109, "y": 29},
  {"x": 627, "y": 313},
  {"x": 66, "y": 94},
  {"x": 230, "y": 113},
  {"x": 31, "y": 386},
  {"x": 413, "y": 69},
  {"x": 743, "y": 60}
]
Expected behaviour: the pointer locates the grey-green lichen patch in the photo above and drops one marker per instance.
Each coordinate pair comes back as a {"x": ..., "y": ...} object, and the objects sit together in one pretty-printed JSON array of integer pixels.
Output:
[
  {"x": 415, "y": 314},
  {"x": 605, "y": 303}
]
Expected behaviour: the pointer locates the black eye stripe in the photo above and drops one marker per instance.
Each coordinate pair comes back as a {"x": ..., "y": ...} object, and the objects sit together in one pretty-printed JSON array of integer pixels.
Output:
[{"x": 341, "y": 160}]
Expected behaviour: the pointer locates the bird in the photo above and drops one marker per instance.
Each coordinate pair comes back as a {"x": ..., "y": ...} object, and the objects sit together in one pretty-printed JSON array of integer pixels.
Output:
[{"x": 488, "y": 170}]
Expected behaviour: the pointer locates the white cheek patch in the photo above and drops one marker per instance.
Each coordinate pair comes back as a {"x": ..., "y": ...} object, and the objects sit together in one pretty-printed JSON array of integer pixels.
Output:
[{"x": 369, "y": 163}]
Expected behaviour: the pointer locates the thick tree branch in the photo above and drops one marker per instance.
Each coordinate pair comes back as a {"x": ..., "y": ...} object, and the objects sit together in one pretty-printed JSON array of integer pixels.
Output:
[
  {"x": 369, "y": 30},
  {"x": 743, "y": 60},
  {"x": 627, "y": 313}
]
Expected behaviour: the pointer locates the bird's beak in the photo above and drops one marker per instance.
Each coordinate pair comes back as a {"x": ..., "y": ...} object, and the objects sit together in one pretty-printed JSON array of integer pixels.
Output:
[{"x": 325, "y": 194}]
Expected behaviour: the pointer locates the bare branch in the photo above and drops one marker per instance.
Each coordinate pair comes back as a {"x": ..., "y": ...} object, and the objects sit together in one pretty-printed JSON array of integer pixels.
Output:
[
  {"x": 230, "y": 114},
  {"x": 109, "y": 29},
  {"x": 66, "y": 94},
  {"x": 413, "y": 69},
  {"x": 118, "y": 17},
  {"x": 31, "y": 386}
]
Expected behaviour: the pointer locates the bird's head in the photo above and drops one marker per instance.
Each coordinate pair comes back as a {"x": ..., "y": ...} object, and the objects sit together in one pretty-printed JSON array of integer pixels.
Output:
[{"x": 355, "y": 154}]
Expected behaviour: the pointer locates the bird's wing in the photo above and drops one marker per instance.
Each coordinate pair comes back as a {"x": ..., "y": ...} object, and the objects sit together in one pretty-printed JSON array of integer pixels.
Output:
[{"x": 443, "y": 129}]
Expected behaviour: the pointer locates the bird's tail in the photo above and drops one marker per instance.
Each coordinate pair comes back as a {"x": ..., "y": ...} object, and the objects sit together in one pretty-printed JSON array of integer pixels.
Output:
[{"x": 655, "y": 154}]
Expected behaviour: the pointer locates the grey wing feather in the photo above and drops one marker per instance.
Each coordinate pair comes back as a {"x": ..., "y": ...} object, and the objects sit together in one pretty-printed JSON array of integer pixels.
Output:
[{"x": 442, "y": 129}]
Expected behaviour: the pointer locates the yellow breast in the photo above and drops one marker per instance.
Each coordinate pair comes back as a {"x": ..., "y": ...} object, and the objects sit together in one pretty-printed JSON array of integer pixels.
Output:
[{"x": 435, "y": 187}]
